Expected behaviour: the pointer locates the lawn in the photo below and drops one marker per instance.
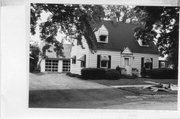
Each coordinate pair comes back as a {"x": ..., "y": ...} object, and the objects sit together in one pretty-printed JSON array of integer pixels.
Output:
[{"x": 138, "y": 81}]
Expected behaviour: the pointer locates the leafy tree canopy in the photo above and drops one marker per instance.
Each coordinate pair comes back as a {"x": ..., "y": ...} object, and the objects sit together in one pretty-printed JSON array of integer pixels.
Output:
[
  {"x": 157, "y": 23},
  {"x": 161, "y": 24},
  {"x": 73, "y": 20}
]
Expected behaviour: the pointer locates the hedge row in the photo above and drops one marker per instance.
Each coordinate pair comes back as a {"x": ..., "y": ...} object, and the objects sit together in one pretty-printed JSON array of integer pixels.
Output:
[
  {"x": 99, "y": 73},
  {"x": 165, "y": 73}
]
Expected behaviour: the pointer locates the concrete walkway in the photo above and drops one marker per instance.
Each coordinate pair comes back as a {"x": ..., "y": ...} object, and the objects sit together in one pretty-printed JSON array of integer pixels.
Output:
[
  {"x": 136, "y": 86},
  {"x": 52, "y": 81}
]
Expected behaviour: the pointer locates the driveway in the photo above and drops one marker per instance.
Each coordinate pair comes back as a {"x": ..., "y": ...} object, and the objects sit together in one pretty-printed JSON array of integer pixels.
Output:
[{"x": 54, "y": 81}]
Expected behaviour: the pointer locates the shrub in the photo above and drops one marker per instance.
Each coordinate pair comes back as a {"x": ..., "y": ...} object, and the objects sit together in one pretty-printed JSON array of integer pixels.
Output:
[
  {"x": 143, "y": 72},
  {"x": 112, "y": 74},
  {"x": 163, "y": 73},
  {"x": 93, "y": 73},
  {"x": 126, "y": 76},
  {"x": 99, "y": 73},
  {"x": 73, "y": 75}
]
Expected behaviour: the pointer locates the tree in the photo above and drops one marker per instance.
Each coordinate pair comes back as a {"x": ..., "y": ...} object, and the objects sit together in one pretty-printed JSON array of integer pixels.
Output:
[
  {"x": 126, "y": 14},
  {"x": 157, "y": 24},
  {"x": 161, "y": 24},
  {"x": 34, "y": 57},
  {"x": 73, "y": 20}
]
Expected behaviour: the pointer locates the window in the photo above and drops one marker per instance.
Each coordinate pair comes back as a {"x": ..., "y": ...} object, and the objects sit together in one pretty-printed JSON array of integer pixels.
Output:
[
  {"x": 104, "y": 64},
  {"x": 74, "y": 60},
  {"x": 126, "y": 61},
  {"x": 143, "y": 43},
  {"x": 51, "y": 65},
  {"x": 103, "y": 61},
  {"x": 103, "y": 38},
  {"x": 83, "y": 64},
  {"x": 147, "y": 63}
]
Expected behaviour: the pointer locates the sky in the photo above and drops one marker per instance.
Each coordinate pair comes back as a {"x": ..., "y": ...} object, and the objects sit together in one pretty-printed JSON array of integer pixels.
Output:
[{"x": 36, "y": 38}]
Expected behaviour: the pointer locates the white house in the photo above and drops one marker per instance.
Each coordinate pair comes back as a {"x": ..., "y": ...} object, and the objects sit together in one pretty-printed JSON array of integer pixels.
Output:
[
  {"x": 116, "y": 46},
  {"x": 54, "y": 63}
]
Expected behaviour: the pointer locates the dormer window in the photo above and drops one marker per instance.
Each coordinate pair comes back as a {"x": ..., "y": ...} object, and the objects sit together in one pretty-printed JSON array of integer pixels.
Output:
[
  {"x": 143, "y": 43},
  {"x": 102, "y": 34},
  {"x": 103, "y": 38}
]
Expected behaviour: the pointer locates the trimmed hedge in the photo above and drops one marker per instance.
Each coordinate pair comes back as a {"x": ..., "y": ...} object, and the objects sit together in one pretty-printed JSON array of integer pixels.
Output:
[
  {"x": 73, "y": 75},
  {"x": 93, "y": 73},
  {"x": 99, "y": 73},
  {"x": 164, "y": 73},
  {"x": 112, "y": 74}
]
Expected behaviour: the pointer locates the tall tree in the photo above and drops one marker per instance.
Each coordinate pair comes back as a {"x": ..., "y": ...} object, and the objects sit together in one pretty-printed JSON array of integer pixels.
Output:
[
  {"x": 126, "y": 14},
  {"x": 161, "y": 24},
  {"x": 73, "y": 20}
]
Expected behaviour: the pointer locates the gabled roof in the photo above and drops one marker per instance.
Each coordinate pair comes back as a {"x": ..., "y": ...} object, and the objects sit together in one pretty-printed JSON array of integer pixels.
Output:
[
  {"x": 67, "y": 50},
  {"x": 121, "y": 35}
]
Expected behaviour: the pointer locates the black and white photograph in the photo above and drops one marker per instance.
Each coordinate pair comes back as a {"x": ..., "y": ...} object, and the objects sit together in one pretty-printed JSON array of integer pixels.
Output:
[
  {"x": 92, "y": 56},
  {"x": 93, "y": 59}
]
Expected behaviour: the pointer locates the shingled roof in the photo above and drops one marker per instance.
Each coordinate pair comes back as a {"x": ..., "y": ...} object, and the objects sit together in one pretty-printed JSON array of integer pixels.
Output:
[{"x": 121, "y": 35}]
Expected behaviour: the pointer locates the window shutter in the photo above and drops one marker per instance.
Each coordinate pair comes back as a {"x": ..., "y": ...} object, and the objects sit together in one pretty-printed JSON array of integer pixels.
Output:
[
  {"x": 98, "y": 61},
  {"x": 109, "y": 63},
  {"x": 152, "y": 63},
  {"x": 85, "y": 61},
  {"x": 142, "y": 62}
]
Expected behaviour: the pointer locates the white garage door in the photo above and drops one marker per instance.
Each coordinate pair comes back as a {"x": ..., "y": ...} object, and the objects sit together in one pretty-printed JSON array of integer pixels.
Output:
[
  {"x": 66, "y": 65},
  {"x": 51, "y": 65}
]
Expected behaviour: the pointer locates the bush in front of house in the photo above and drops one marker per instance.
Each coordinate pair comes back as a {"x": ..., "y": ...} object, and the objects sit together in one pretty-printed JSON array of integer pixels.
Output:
[
  {"x": 127, "y": 76},
  {"x": 93, "y": 73},
  {"x": 143, "y": 72},
  {"x": 73, "y": 75},
  {"x": 99, "y": 73},
  {"x": 112, "y": 74},
  {"x": 164, "y": 73}
]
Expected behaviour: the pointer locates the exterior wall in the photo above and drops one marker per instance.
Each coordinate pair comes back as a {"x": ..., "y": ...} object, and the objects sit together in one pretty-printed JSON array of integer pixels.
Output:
[
  {"x": 118, "y": 59},
  {"x": 60, "y": 66},
  {"x": 137, "y": 60},
  {"x": 115, "y": 58},
  {"x": 42, "y": 65},
  {"x": 101, "y": 31},
  {"x": 78, "y": 51}
]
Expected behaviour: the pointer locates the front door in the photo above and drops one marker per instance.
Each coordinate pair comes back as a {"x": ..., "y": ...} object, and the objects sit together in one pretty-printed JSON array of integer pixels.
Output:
[{"x": 127, "y": 65}]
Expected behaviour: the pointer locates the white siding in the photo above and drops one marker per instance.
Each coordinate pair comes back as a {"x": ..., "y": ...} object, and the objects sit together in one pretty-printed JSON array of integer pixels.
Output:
[
  {"x": 118, "y": 59},
  {"x": 78, "y": 51},
  {"x": 42, "y": 65},
  {"x": 115, "y": 58},
  {"x": 137, "y": 60},
  {"x": 60, "y": 66}
]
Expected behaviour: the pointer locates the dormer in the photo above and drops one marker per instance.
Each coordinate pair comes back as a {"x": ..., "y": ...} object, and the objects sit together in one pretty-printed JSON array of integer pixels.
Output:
[
  {"x": 142, "y": 43},
  {"x": 102, "y": 34}
]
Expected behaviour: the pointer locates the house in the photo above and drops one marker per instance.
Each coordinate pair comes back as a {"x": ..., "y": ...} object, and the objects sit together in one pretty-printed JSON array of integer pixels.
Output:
[
  {"x": 54, "y": 63},
  {"x": 116, "y": 46}
]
